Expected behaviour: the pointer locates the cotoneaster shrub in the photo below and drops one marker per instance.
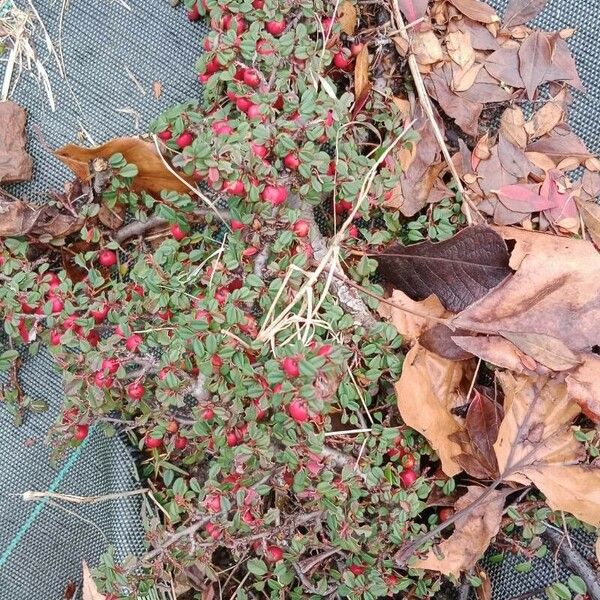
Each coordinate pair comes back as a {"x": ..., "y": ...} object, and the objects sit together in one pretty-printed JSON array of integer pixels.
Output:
[{"x": 247, "y": 440}]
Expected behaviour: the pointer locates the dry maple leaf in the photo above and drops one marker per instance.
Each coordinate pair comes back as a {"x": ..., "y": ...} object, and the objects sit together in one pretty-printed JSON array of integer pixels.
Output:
[
  {"x": 472, "y": 534},
  {"x": 536, "y": 445},
  {"x": 89, "y": 589},
  {"x": 557, "y": 297},
  {"x": 153, "y": 176},
  {"x": 427, "y": 391}
]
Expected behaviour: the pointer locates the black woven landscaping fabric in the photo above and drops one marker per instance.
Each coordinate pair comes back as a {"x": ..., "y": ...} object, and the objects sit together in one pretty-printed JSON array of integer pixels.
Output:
[{"x": 105, "y": 47}]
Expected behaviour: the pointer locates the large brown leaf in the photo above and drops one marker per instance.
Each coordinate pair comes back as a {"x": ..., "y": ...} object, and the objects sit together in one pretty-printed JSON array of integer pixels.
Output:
[
  {"x": 458, "y": 271},
  {"x": 153, "y": 176},
  {"x": 519, "y": 12},
  {"x": 535, "y": 56},
  {"x": 554, "y": 292},
  {"x": 472, "y": 534},
  {"x": 583, "y": 385},
  {"x": 476, "y": 10},
  {"x": 536, "y": 445}
]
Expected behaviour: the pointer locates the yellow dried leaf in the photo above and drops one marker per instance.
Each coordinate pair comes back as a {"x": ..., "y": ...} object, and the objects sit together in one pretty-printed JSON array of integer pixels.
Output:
[
  {"x": 361, "y": 72},
  {"x": 463, "y": 79},
  {"x": 347, "y": 17},
  {"x": 592, "y": 164},
  {"x": 460, "y": 49},
  {"x": 512, "y": 125},
  {"x": 543, "y": 161},
  {"x": 427, "y": 390},
  {"x": 427, "y": 48}
]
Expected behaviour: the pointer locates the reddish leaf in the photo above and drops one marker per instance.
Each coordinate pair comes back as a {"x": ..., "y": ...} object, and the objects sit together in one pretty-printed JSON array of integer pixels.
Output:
[
  {"x": 560, "y": 143},
  {"x": 524, "y": 198},
  {"x": 483, "y": 421},
  {"x": 458, "y": 271},
  {"x": 438, "y": 339},
  {"x": 413, "y": 10},
  {"x": 503, "y": 64},
  {"x": 535, "y": 56},
  {"x": 563, "y": 67},
  {"x": 476, "y": 10},
  {"x": 519, "y": 12}
]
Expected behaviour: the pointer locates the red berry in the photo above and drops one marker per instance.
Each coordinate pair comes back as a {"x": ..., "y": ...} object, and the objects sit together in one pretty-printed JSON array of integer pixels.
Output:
[
  {"x": 291, "y": 161},
  {"x": 275, "y": 194},
  {"x": 251, "y": 78},
  {"x": 152, "y": 442},
  {"x": 408, "y": 461},
  {"x": 101, "y": 313},
  {"x": 107, "y": 258},
  {"x": 232, "y": 439},
  {"x": 276, "y": 28},
  {"x": 408, "y": 477},
  {"x": 180, "y": 442},
  {"x": 356, "y": 48},
  {"x": 135, "y": 390},
  {"x": 57, "y": 305},
  {"x": 264, "y": 48},
  {"x": 178, "y": 233},
  {"x": 327, "y": 25},
  {"x": 260, "y": 150},
  {"x": 213, "y": 531},
  {"x": 258, "y": 4},
  {"x": 185, "y": 139},
  {"x": 273, "y": 554},
  {"x": 445, "y": 513},
  {"x": 165, "y": 135},
  {"x": 289, "y": 366},
  {"x": 81, "y": 432},
  {"x": 301, "y": 228},
  {"x": 194, "y": 13},
  {"x": 236, "y": 225},
  {"x": 353, "y": 231},
  {"x": 298, "y": 410},
  {"x": 243, "y": 104},
  {"x": 93, "y": 338},
  {"x": 216, "y": 361},
  {"x": 102, "y": 379},
  {"x": 356, "y": 570},
  {"x": 212, "y": 502},
  {"x": 222, "y": 127},
  {"x": 342, "y": 61},
  {"x": 249, "y": 251},
  {"x": 254, "y": 112},
  {"x": 53, "y": 280},
  {"x": 325, "y": 350},
  {"x": 235, "y": 188},
  {"x": 110, "y": 365},
  {"x": 208, "y": 414},
  {"x": 55, "y": 337},
  {"x": 133, "y": 341}
]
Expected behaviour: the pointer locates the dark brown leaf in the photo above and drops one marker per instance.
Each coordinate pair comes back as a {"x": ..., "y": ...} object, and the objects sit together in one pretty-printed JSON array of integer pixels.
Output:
[
  {"x": 15, "y": 163},
  {"x": 519, "y": 12},
  {"x": 561, "y": 143},
  {"x": 563, "y": 67},
  {"x": 438, "y": 339},
  {"x": 483, "y": 421},
  {"x": 535, "y": 57},
  {"x": 476, "y": 10},
  {"x": 459, "y": 271},
  {"x": 503, "y": 65}
]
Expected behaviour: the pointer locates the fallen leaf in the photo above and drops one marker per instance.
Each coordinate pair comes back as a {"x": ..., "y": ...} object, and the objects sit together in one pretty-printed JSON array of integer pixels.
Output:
[
  {"x": 523, "y": 198},
  {"x": 459, "y": 48},
  {"x": 112, "y": 218},
  {"x": 464, "y": 79},
  {"x": 427, "y": 391},
  {"x": 413, "y": 10},
  {"x": 484, "y": 591},
  {"x": 440, "y": 339},
  {"x": 557, "y": 296},
  {"x": 548, "y": 116},
  {"x": 583, "y": 385},
  {"x": 545, "y": 349},
  {"x": 361, "y": 72},
  {"x": 426, "y": 47},
  {"x": 476, "y": 10},
  {"x": 518, "y": 12},
  {"x": 347, "y": 17},
  {"x": 535, "y": 56},
  {"x": 458, "y": 271},
  {"x": 536, "y": 445},
  {"x": 89, "y": 589},
  {"x": 597, "y": 547},
  {"x": 482, "y": 424},
  {"x": 563, "y": 67},
  {"x": 15, "y": 163},
  {"x": 409, "y": 323},
  {"x": 153, "y": 177},
  {"x": 157, "y": 89},
  {"x": 512, "y": 126},
  {"x": 503, "y": 65},
  {"x": 590, "y": 213},
  {"x": 561, "y": 143},
  {"x": 472, "y": 534}
]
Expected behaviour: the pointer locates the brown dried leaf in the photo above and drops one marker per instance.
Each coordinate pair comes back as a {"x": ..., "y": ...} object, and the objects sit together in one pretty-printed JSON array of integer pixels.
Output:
[
  {"x": 518, "y": 12},
  {"x": 535, "y": 56},
  {"x": 558, "y": 297},
  {"x": 590, "y": 213},
  {"x": 512, "y": 126},
  {"x": 536, "y": 445},
  {"x": 153, "y": 176},
  {"x": 112, "y": 218},
  {"x": 361, "y": 72},
  {"x": 561, "y": 143},
  {"x": 89, "y": 589},
  {"x": 464, "y": 79},
  {"x": 15, "y": 163},
  {"x": 583, "y": 385},
  {"x": 548, "y": 117},
  {"x": 545, "y": 349},
  {"x": 348, "y": 17},
  {"x": 409, "y": 324},
  {"x": 427, "y": 390},
  {"x": 157, "y": 89},
  {"x": 503, "y": 65},
  {"x": 439, "y": 339},
  {"x": 427, "y": 48},
  {"x": 476, "y": 10},
  {"x": 413, "y": 10},
  {"x": 460, "y": 49},
  {"x": 472, "y": 534},
  {"x": 482, "y": 423}
]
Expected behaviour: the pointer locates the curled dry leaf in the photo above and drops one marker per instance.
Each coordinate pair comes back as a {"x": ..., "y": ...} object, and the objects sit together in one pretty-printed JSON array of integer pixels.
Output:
[
  {"x": 558, "y": 297},
  {"x": 548, "y": 116},
  {"x": 536, "y": 445},
  {"x": 361, "y": 73},
  {"x": 458, "y": 271},
  {"x": 472, "y": 534},
  {"x": 460, "y": 49},
  {"x": 153, "y": 177},
  {"x": 347, "y": 17},
  {"x": 512, "y": 126},
  {"x": 426, "y": 47},
  {"x": 583, "y": 385},
  {"x": 89, "y": 589},
  {"x": 476, "y": 10},
  {"x": 427, "y": 391}
]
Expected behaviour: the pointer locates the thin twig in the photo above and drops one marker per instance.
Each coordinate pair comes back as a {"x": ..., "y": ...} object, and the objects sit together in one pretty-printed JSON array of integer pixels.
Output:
[{"x": 30, "y": 496}]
